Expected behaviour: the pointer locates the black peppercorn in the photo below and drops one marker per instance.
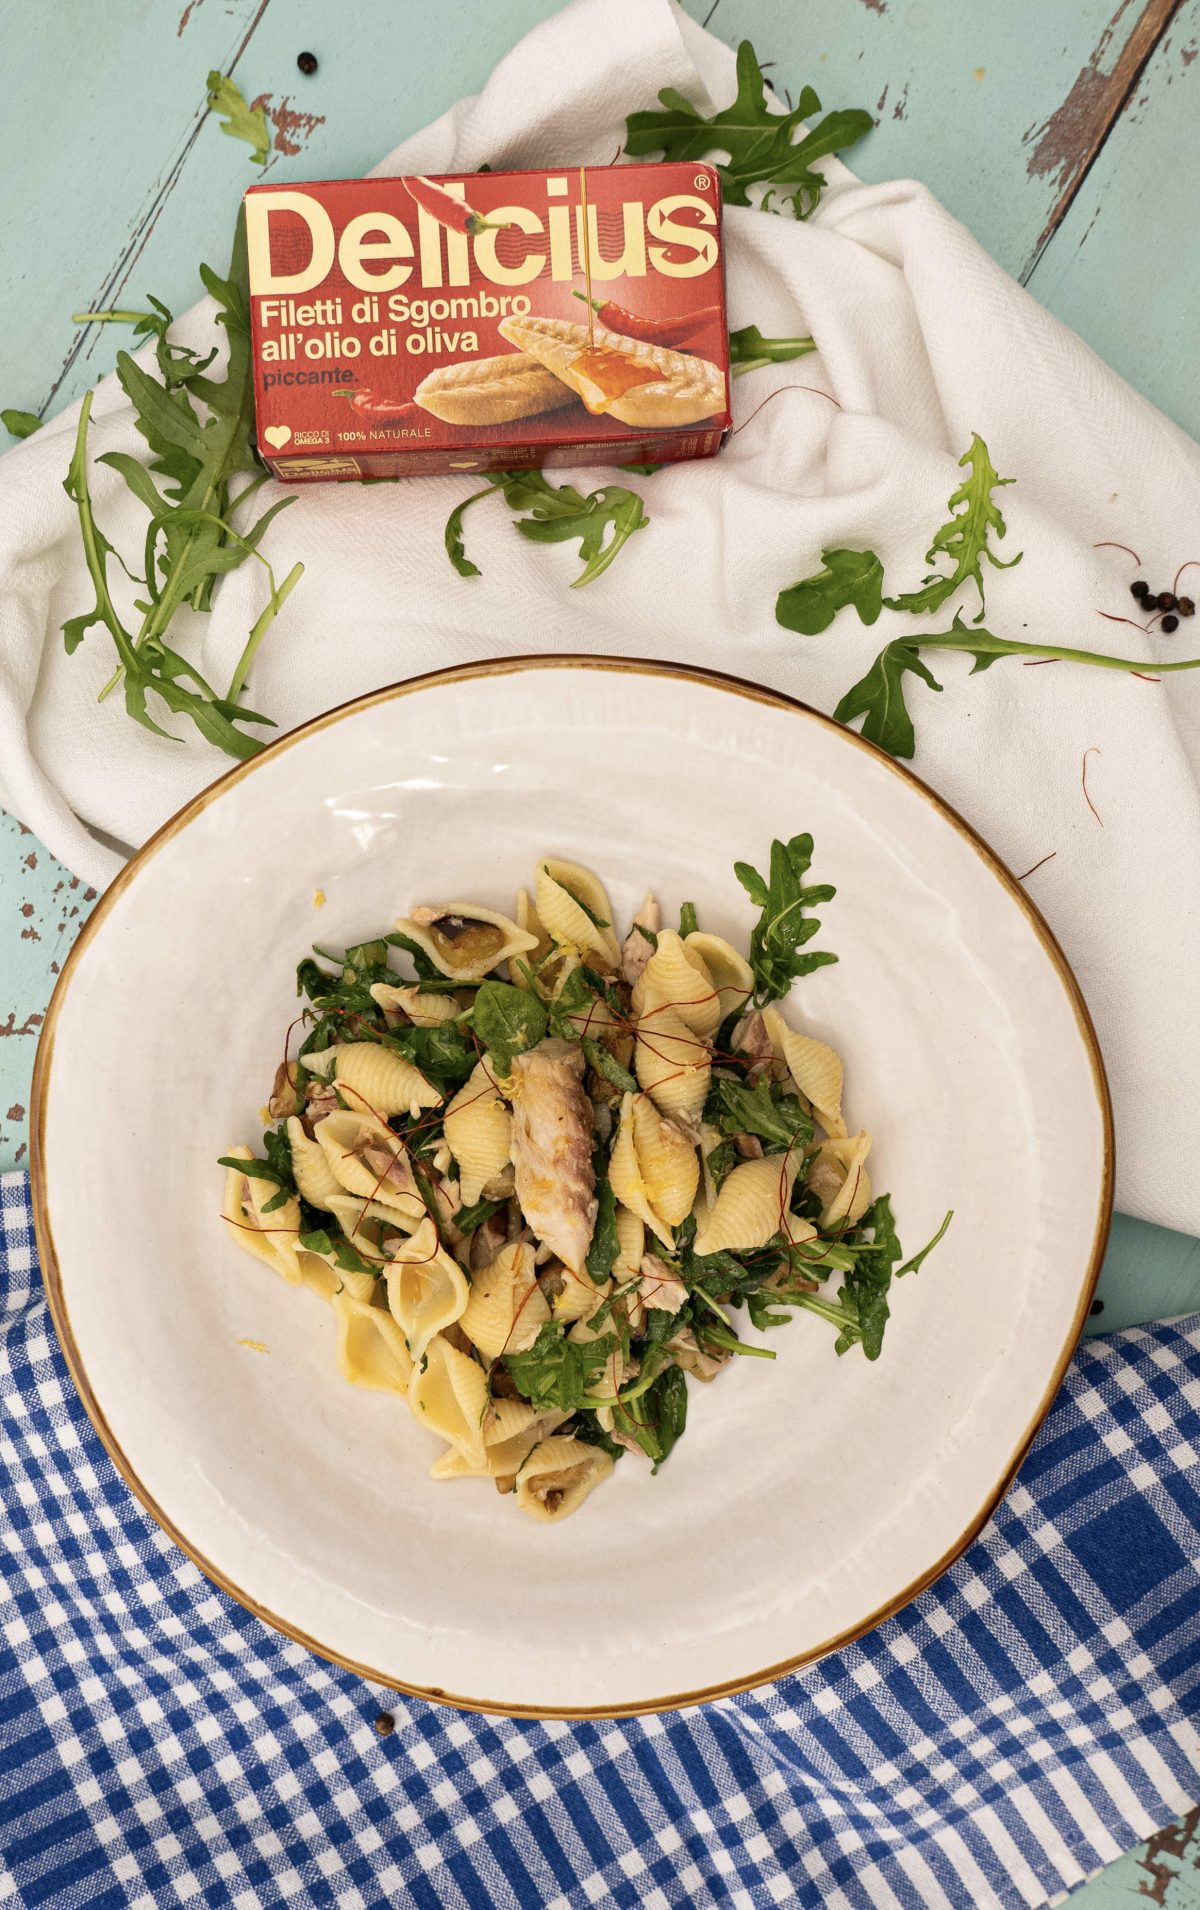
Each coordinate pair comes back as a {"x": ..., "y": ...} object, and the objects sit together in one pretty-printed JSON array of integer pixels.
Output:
[
  {"x": 1170, "y": 623},
  {"x": 307, "y": 62},
  {"x": 1186, "y": 607},
  {"x": 1166, "y": 600},
  {"x": 385, "y": 1724},
  {"x": 1140, "y": 589}
]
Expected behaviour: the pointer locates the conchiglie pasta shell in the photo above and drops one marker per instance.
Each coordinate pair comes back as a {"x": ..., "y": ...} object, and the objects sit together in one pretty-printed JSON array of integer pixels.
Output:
[
  {"x": 506, "y": 1309},
  {"x": 413, "y": 1004},
  {"x": 625, "y": 1176},
  {"x": 732, "y": 975},
  {"x": 677, "y": 975},
  {"x": 561, "y": 887},
  {"x": 511, "y": 1430},
  {"x": 667, "y": 1162},
  {"x": 514, "y": 941},
  {"x": 427, "y": 1290},
  {"x": 580, "y": 1296},
  {"x": 672, "y": 1064},
  {"x": 344, "y": 1137},
  {"x": 369, "y": 1226},
  {"x": 318, "y": 1275},
  {"x": 478, "y": 1128},
  {"x": 449, "y": 1396},
  {"x": 270, "y": 1238},
  {"x": 631, "y": 1236},
  {"x": 839, "y": 1176},
  {"x": 529, "y": 923},
  {"x": 558, "y": 1475},
  {"x": 750, "y": 1208},
  {"x": 372, "y": 1079},
  {"x": 371, "y": 1349},
  {"x": 315, "y": 1178},
  {"x": 815, "y": 1068}
]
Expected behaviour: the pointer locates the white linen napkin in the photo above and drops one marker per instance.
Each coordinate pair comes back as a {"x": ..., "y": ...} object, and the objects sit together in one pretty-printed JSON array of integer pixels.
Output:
[{"x": 923, "y": 340}]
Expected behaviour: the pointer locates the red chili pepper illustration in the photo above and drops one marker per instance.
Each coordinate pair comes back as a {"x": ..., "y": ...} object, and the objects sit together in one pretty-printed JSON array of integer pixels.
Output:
[
  {"x": 449, "y": 211},
  {"x": 381, "y": 410},
  {"x": 679, "y": 331}
]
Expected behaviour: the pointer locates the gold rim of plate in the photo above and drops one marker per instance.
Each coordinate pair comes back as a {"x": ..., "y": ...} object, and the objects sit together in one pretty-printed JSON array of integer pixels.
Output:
[{"x": 632, "y": 666}]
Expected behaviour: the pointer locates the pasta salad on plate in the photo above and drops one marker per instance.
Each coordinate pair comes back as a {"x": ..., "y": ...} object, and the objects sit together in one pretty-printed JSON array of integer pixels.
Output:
[{"x": 538, "y": 1179}]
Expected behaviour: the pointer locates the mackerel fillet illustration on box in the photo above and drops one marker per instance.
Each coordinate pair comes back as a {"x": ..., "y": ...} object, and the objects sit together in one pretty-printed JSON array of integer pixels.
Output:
[{"x": 488, "y": 321}]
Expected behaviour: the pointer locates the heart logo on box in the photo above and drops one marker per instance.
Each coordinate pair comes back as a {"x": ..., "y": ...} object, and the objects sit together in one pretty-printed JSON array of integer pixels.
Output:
[{"x": 277, "y": 435}]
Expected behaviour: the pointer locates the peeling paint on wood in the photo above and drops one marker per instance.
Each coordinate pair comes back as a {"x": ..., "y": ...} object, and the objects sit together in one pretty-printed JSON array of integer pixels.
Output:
[
  {"x": 1167, "y": 1858},
  {"x": 185, "y": 16},
  {"x": 1068, "y": 142},
  {"x": 292, "y": 128}
]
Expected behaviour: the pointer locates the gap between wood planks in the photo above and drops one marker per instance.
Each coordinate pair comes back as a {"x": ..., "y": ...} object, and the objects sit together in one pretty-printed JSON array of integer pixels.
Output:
[
  {"x": 1071, "y": 140},
  {"x": 118, "y": 278}
]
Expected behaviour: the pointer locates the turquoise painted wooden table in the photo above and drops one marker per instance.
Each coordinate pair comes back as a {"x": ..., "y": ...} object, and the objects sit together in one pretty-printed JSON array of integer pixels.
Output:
[{"x": 1064, "y": 136}]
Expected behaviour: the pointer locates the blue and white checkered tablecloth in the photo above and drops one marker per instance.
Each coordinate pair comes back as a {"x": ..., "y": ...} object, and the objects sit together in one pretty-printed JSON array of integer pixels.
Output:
[{"x": 1018, "y": 1726}]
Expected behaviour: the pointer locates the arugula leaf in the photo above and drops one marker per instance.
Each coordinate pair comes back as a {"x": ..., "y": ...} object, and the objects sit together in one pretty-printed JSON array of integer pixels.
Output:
[
  {"x": 964, "y": 537},
  {"x": 688, "y": 925},
  {"x": 749, "y": 350},
  {"x": 557, "y": 1372},
  {"x": 720, "y": 1161},
  {"x": 177, "y": 364},
  {"x": 658, "y": 1419},
  {"x": 861, "y": 1310},
  {"x": 606, "y": 1064},
  {"x": 431, "y": 978},
  {"x": 915, "y": 1264},
  {"x": 783, "y": 928},
  {"x": 468, "y": 1218},
  {"x": 238, "y": 119},
  {"x": 605, "y": 1243},
  {"x": 332, "y": 1241},
  {"x": 758, "y": 141},
  {"x": 603, "y": 521},
  {"x": 456, "y": 549},
  {"x": 444, "y": 1054},
  {"x": 20, "y": 424},
  {"x": 879, "y": 698},
  {"x": 777, "y": 1119},
  {"x": 191, "y": 540},
  {"x": 587, "y": 1427},
  {"x": 849, "y": 577},
  {"x": 559, "y": 513},
  {"x": 573, "y": 1010},
  {"x": 277, "y": 1168},
  {"x": 507, "y": 1021},
  {"x": 253, "y": 1169}
]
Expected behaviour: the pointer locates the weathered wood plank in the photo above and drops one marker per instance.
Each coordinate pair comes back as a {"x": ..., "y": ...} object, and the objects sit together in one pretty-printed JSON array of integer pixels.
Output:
[
  {"x": 1070, "y": 140},
  {"x": 1123, "y": 266},
  {"x": 998, "y": 110}
]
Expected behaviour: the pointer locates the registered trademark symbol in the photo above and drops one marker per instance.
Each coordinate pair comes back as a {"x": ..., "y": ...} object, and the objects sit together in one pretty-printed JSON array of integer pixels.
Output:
[{"x": 702, "y": 182}]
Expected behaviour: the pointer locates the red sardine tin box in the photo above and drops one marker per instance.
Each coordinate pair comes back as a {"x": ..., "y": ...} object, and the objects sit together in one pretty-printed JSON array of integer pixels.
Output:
[{"x": 488, "y": 321}]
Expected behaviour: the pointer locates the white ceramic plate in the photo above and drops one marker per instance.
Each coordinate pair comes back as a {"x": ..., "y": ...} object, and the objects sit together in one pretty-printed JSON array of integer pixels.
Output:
[{"x": 811, "y": 1496}]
